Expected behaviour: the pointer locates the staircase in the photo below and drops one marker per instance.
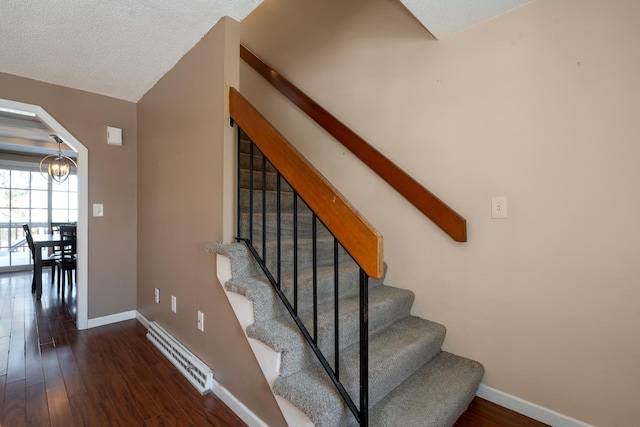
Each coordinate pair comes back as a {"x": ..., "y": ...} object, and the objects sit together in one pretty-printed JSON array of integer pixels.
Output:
[{"x": 412, "y": 382}]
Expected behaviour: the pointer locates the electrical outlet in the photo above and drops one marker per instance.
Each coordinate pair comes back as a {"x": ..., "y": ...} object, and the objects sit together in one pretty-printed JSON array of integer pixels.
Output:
[
  {"x": 157, "y": 296},
  {"x": 174, "y": 304},
  {"x": 201, "y": 321}
]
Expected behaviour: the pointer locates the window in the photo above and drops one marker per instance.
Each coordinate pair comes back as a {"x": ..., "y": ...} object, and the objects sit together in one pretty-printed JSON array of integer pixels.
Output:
[{"x": 27, "y": 198}]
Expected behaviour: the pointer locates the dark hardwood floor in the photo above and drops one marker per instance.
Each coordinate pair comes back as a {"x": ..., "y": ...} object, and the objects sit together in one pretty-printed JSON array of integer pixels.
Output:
[{"x": 51, "y": 374}]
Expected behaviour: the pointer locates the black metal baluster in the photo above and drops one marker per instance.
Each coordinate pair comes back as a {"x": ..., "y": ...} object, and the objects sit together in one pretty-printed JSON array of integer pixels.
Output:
[
  {"x": 335, "y": 312},
  {"x": 264, "y": 208},
  {"x": 314, "y": 240},
  {"x": 251, "y": 192},
  {"x": 279, "y": 228},
  {"x": 238, "y": 173},
  {"x": 364, "y": 348},
  {"x": 295, "y": 252}
]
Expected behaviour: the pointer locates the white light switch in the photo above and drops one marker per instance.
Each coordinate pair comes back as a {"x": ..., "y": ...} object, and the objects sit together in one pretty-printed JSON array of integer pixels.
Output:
[
  {"x": 499, "y": 207},
  {"x": 174, "y": 304},
  {"x": 98, "y": 209}
]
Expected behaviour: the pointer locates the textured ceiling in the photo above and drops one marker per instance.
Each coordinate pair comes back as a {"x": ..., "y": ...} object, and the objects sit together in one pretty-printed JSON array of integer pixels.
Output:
[
  {"x": 446, "y": 17},
  {"x": 121, "y": 48}
]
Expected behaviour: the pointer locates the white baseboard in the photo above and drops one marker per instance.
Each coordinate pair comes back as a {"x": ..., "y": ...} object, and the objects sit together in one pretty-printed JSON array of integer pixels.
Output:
[
  {"x": 245, "y": 414},
  {"x": 529, "y": 409},
  {"x": 142, "y": 319},
  {"x": 112, "y": 318}
]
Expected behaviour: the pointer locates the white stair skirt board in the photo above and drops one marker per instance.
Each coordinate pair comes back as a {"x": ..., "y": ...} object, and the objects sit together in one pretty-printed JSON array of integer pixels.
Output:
[
  {"x": 198, "y": 374},
  {"x": 529, "y": 409},
  {"x": 237, "y": 406},
  {"x": 242, "y": 307},
  {"x": 294, "y": 416},
  {"x": 268, "y": 359},
  {"x": 112, "y": 318}
]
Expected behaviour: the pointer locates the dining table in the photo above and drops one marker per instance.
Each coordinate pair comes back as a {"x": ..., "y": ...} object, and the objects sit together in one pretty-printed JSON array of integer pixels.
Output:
[{"x": 41, "y": 241}]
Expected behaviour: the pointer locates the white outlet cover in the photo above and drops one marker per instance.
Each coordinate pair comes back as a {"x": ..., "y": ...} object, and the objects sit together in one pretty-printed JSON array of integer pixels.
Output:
[{"x": 201, "y": 321}]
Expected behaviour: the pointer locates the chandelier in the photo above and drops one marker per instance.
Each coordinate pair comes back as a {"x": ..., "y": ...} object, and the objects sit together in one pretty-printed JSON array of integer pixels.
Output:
[{"x": 56, "y": 167}]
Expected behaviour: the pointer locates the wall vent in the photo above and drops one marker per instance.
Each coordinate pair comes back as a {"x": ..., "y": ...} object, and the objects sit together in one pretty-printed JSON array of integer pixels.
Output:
[{"x": 192, "y": 368}]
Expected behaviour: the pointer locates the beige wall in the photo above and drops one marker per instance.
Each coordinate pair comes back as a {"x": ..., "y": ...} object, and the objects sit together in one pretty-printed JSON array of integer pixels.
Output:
[
  {"x": 539, "y": 105},
  {"x": 181, "y": 133},
  {"x": 112, "y": 238}
]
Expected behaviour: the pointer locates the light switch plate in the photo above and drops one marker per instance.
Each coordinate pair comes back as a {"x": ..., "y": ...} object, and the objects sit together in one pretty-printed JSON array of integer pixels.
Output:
[
  {"x": 498, "y": 207},
  {"x": 98, "y": 209},
  {"x": 174, "y": 304}
]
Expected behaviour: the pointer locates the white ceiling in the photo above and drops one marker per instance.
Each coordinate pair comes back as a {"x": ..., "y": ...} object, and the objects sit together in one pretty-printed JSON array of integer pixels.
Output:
[
  {"x": 446, "y": 17},
  {"x": 121, "y": 48}
]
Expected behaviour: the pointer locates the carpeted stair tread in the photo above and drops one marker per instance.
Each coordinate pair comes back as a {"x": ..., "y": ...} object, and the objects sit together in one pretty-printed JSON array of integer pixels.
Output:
[
  {"x": 324, "y": 252},
  {"x": 303, "y": 229},
  {"x": 270, "y": 180},
  {"x": 394, "y": 354},
  {"x": 349, "y": 278},
  {"x": 245, "y": 162},
  {"x": 242, "y": 262},
  {"x": 387, "y": 305},
  {"x": 434, "y": 396},
  {"x": 257, "y": 288},
  {"x": 271, "y": 197},
  {"x": 266, "y": 303}
]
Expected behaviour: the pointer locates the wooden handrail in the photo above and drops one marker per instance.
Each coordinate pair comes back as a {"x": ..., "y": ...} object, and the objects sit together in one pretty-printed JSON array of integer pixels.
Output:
[
  {"x": 430, "y": 205},
  {"x": 353, "y": 231}
]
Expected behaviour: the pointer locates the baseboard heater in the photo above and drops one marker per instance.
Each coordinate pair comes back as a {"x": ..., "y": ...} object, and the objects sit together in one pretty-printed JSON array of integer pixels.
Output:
[{"x": 198, "y": 374}]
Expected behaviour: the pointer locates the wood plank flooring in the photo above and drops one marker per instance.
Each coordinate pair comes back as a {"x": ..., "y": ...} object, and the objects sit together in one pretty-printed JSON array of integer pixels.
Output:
[{"x": 51, "y": 374}]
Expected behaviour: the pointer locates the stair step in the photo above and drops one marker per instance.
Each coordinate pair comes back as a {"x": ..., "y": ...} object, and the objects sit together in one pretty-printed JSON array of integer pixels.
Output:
[
  {"x": 394, "y": 355},
  {"x": 267, "y": 305},
  {"x": 271, "y": 180},
  {"x": 387, "y": 305},
  {"x": 286, "y": 201},
  {"x": 304, "y": 225},
  {"x": 348, "y": 278},
  {"x": 435, "y": 395},
  {"x": 245, "y": 162},
  {"x": 324, "y": 253}
]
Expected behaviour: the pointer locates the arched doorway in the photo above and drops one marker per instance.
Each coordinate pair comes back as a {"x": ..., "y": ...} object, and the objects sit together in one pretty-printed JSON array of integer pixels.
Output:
[{"x": 83, "y": 200}]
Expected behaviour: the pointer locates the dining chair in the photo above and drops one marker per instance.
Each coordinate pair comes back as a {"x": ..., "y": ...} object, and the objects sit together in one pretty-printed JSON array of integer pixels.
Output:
[
  {"x": 67, "y": 262},
  {"x": 55, "y": 229},
  {"x": 47, "y": 261}
]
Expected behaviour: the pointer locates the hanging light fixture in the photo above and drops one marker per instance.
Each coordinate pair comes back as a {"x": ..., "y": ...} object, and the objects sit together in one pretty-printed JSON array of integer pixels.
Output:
[{"x": 56, "y": 167}]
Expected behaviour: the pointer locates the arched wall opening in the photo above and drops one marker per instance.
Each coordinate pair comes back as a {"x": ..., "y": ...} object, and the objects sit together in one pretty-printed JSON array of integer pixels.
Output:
[{"x": 83, "y": 201}]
